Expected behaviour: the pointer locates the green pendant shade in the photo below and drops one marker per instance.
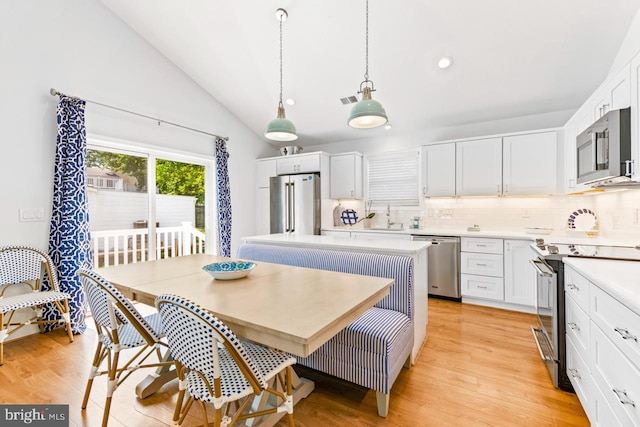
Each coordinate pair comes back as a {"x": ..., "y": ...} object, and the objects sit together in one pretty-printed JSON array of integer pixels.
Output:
[
  {"x": 367, "y": 113},
  {"x": 281, "y": 128}
]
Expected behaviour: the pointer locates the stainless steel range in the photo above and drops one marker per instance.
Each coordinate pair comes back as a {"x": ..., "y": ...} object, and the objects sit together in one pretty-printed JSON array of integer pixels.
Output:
[{"x": 550, "y": 331}]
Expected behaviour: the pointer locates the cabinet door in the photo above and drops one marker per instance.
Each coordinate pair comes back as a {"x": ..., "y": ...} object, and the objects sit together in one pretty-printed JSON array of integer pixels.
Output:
[
  {"x": 263, "y": 212},
  {"x": 615, "y": 94},
  {"x": 298, "y": 164},
  {"x": 519, "y": 274},
  {"x": 346, "y": 176},
  {"x": 479, "y": 167},
  {"x": 529, "y": 164},
  {"x": 635, "y": 117},
  {"x": 265, "y": 170},
  {"x": 439, "y": 170}
]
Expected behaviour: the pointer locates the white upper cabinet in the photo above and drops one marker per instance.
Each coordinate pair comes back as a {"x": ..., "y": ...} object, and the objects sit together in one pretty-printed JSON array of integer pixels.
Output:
[
  {"x": 614, "y": 95},
  {"x": 439, "y": 170},
  {"x": 479, "y": 167},
  {"x": 529, "y": 164},
  {"x": 265, "y": 170},
  {"x": 635, "y": 116},
  {"x": 298, "y": 163},
  {"x": 346, "y": 176}
]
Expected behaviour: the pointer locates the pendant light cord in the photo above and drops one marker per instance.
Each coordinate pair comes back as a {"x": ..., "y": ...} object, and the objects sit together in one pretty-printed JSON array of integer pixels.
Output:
[
  {"x": 280, "y": 103},
  {"x": 366, "y": 54}
]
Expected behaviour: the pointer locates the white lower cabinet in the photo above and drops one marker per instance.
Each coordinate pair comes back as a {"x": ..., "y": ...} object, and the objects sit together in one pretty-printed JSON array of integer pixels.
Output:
[
  {"x": 580, "y": 377},
  {"x": 482, "y": 268},
  {"x": 519, "y": 274},
  {"x": 486, "y": 287},
  {"x": 603, "y": 354}
]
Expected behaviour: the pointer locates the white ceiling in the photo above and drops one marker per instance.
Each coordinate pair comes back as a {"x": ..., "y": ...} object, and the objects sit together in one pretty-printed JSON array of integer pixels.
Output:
[{"x": 512, "y": 57}]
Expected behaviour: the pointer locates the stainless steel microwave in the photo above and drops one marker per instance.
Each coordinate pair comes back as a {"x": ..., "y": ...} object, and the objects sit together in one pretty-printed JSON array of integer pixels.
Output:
[{"x": 604, "y": 149}]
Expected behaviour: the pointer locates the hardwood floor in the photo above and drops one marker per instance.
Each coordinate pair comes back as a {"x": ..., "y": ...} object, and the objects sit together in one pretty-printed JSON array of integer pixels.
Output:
[{"x": 478, "y": 367}]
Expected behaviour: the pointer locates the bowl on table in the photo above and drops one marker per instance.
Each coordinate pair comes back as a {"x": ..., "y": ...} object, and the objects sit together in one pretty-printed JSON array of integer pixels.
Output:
[{"x": 229, "y": 270}]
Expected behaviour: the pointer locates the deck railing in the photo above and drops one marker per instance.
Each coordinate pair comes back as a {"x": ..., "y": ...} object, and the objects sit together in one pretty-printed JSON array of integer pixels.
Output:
[{"x": 114, "y": 247}]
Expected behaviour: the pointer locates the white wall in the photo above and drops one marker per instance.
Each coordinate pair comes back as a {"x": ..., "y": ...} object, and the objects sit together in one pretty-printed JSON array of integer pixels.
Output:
[
  {"x": 629, "y": 48},
  {"x": 79, "y": 47}
]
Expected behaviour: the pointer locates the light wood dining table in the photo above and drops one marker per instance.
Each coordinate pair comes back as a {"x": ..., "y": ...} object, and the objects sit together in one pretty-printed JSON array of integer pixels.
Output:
[{"x": 293, "y": 309}]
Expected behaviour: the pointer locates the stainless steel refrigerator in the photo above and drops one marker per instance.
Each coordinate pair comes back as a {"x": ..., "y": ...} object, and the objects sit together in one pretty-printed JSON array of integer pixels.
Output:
[{"x": 295, "y": 204}]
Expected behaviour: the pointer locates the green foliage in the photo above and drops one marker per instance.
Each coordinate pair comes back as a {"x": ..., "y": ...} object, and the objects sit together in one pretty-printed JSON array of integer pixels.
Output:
[
  {"x": 178, "y": 178},
  {"x": 183, "y": 179}
]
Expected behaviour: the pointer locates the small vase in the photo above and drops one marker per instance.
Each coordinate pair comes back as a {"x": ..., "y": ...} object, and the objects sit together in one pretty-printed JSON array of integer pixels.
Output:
[{"x": 367, "y": 222}]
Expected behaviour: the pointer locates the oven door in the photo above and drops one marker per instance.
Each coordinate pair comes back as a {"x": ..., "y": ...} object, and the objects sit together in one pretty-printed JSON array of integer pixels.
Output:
[{"x": 546, "y": 332}]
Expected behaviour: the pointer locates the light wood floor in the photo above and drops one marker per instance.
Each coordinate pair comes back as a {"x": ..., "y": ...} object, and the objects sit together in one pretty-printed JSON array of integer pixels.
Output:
[{"x": 479, "y": 367}]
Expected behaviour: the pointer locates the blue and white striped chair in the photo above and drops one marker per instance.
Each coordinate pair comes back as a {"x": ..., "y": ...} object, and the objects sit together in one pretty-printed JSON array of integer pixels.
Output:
[
  {"x": 120, "y": 326},
  {"x": 214, "y": 366},
  {"x": 25, "y": 266}
]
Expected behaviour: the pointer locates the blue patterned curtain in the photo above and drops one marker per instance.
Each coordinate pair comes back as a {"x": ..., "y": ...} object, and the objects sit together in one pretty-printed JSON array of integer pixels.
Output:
[
  {"x": 69, "y": 238},
  {"x": 223, "y": 234}
]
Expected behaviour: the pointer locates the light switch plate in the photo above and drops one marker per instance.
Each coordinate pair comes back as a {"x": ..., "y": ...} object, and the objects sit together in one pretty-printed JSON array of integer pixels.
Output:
[{"x": 31, "y": 214}]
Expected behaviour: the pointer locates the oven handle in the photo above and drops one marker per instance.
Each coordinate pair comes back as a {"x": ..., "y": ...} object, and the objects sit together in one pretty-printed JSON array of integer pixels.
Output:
[
  {"x": 538, "y": 263},
  {"x": 536, "y": 332}
]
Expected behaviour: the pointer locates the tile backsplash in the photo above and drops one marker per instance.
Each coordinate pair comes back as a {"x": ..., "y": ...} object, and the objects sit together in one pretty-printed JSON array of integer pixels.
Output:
[{"x": 617, "y": 212}]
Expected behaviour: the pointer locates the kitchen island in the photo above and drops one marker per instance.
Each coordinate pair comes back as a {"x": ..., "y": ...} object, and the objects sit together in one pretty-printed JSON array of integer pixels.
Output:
[{"x": 416, "y": 250}]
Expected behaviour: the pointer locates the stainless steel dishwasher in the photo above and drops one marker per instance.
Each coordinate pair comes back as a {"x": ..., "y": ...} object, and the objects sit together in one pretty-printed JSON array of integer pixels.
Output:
[{"x": 443, "y": 270}]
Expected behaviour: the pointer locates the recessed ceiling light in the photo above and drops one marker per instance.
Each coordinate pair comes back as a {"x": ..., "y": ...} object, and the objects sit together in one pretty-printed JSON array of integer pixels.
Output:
[
  {"x": 445, "y": 62},
  {"x": 388, "y": 126},
  {"x": 290, "y": 101}
]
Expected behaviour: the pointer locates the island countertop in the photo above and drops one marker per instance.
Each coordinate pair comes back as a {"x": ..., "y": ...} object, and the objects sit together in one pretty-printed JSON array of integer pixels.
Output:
[
  {"x": 618, "y": 278},
  {"x": 380, "y": 245}
]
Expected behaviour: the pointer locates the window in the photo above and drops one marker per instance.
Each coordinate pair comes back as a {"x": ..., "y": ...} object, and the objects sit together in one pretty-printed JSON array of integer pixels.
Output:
[
  {"x": 131, "y": 224},
  {"x": 393, "y": 178}
]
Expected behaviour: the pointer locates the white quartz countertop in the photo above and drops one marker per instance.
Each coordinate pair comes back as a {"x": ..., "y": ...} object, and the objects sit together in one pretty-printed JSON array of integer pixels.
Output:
[
  {"x": 620, "y": 279},
  {"x": 497, "y": 234},
  {"x": 381, "y": 245}
]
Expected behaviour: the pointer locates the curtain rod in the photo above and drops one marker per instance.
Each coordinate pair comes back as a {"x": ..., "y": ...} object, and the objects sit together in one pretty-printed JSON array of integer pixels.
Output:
[{"x": 54, "y": 92}]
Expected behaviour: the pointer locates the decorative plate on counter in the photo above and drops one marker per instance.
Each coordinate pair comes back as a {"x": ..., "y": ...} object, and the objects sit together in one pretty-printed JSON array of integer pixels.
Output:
[
  {"x": 349, "y": 217},
  {"x": 582, "y": 219}
]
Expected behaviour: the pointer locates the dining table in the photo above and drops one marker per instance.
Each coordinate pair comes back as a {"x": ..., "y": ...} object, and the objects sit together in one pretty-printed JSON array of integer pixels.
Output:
[{"x": 293, "y": 309}]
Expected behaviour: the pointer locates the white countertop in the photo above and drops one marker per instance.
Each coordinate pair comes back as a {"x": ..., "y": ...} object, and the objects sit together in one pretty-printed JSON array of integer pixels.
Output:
[
  {"x": 498, "y": 234},
  {"x": 401, "y": 247},
  {"x": 620, "y": 279}
]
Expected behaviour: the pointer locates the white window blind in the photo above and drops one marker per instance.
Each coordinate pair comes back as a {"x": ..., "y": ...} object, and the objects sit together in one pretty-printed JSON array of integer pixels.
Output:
[{"x": 393, "y": 178}]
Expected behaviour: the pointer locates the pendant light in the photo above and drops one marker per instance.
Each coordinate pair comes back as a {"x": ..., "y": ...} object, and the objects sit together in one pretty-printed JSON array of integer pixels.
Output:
[
  {"x": 280, "y": 128},
  {"x": 367, "y": 113}
]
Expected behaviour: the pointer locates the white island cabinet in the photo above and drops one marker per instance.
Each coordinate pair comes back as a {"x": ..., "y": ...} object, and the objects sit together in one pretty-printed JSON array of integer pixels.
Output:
[
  {"x": 603, "y": 338},
  {"x": 416, "y": 250}
]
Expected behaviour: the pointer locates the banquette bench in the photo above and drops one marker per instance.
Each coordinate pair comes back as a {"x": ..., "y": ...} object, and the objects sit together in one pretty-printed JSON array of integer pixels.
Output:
[{"x": 372, "y": 350}]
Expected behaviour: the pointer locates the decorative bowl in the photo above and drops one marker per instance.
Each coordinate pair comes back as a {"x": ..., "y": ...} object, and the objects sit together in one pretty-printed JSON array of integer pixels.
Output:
[{"x": 229, "y": 270}]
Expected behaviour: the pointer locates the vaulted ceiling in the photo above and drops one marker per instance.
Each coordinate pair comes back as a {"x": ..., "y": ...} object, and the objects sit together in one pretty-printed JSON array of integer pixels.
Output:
[{"x": 512, "y": 58}]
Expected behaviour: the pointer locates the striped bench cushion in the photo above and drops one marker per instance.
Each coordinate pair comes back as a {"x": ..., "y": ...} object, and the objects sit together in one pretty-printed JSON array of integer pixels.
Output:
[
  {"x": 370, "y": 351},
  {"x": 399, "y": 268}
]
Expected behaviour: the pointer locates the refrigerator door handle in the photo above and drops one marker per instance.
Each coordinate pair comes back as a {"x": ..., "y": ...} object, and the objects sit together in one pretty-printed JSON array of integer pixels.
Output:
[
  {"x": 286, "y": 204},
  {"x": 293, "y": 207}
]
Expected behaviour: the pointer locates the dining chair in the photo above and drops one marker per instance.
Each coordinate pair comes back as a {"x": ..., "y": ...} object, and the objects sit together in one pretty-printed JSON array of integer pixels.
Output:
[
  {"x": 26, "y": 267},
  {"x": 120, "y": 327},
  {"x": 214, "y": 366}
]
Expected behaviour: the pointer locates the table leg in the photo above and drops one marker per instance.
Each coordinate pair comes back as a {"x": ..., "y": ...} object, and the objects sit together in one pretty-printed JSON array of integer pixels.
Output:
[
  {"x": 302, "y": 387},
  {"x": 160, "y": 377}
]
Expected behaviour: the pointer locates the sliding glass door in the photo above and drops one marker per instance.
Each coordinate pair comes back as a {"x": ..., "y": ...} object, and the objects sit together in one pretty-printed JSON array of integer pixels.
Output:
[{"x": 130, "y": 223}]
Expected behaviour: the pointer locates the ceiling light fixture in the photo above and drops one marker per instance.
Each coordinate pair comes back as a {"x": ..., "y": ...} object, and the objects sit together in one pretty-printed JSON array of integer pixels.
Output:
[
  {"x": 445, "y": 62},
  {"x": 280, "y": 128},
  {"x": 367, "y": 113}
]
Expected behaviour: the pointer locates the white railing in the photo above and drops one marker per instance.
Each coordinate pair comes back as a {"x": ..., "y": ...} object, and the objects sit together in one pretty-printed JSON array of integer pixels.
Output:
[{"x": 114, "y": 247}]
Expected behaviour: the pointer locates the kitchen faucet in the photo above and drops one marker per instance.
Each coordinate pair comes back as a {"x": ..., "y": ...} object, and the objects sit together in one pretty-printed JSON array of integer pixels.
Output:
[{"x": 389, "y": 223}]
